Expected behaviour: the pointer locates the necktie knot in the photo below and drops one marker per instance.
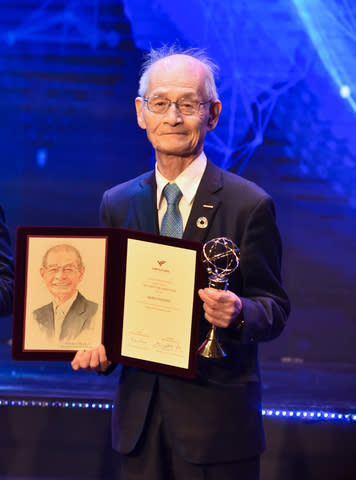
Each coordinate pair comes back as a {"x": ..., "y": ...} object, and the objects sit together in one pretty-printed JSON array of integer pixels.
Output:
[{"x": 172, "y": 193}]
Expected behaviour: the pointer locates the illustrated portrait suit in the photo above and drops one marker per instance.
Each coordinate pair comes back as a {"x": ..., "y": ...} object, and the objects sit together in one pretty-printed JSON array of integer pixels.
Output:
[
  {"x": 6, "y": 269},
  {"x": 78, "y": 318},
  {"x": 215, "y": 417}
]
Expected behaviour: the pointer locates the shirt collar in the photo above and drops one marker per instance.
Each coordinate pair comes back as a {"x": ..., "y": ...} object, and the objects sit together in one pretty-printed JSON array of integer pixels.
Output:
[
  {"x": 66, "y": 305},
  {"x": 188, "y": 181}
]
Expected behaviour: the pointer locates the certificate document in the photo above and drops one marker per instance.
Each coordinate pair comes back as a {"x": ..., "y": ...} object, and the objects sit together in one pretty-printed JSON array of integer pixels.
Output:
[{"x": 158, "y": 305}]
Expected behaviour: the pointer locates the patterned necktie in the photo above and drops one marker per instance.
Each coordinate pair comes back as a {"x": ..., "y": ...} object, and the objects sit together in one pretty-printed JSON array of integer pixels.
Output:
[{"x": 172, "y": 224}]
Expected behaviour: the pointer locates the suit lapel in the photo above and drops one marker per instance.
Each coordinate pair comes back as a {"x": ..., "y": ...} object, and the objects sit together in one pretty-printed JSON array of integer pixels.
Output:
[
  {"x": 74, "y": 320},
  {"x": 144, "y": 206},
  {"x": 46, "y": 317},
  {"x": 205, "y": 206}
]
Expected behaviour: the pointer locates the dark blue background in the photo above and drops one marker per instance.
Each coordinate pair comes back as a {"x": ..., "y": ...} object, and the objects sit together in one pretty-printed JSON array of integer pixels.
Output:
[{"x": 68, "y": 78}]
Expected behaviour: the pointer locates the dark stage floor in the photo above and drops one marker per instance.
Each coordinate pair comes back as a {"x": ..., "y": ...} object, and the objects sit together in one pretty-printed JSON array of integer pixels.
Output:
[
  {"x": 309, "y": 412},
  {"x": 286, "y": 386}
]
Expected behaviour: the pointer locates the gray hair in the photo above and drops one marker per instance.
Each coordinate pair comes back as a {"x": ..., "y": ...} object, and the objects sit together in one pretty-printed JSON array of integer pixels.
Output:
[
  {"x": 64, "y": 247},
  {"x": 154, "y": 55}
]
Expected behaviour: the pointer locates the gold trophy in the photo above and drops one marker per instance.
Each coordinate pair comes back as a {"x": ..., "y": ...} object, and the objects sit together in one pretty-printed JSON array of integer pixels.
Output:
[{"x": 221, "y": 257}]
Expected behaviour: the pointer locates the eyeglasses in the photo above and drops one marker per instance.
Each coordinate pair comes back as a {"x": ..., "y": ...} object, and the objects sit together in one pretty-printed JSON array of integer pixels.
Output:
[
  {"x": 66, "y": 270},
  {"x": 157, "y": 104}
]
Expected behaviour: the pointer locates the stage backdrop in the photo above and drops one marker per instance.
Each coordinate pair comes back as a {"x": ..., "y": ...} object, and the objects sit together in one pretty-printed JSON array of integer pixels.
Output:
[{"x": 69, "y": 73}]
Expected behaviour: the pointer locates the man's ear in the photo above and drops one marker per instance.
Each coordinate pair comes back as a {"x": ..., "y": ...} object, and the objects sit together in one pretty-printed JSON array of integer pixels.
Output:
[
  {"x": 82, "y": 271},
  {"x": 139, "y": 112},
  {"x": 214, "y": 113}
]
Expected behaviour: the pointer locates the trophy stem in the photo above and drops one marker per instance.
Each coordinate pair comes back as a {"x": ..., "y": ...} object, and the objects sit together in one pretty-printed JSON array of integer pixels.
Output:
[
  {"x": 221, "y": 257},
  {"x": 211, "y": 347}
]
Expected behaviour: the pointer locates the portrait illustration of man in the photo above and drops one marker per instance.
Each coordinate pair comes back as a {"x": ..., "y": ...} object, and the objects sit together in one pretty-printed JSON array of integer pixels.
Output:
[{"x": 69, "y": 314}]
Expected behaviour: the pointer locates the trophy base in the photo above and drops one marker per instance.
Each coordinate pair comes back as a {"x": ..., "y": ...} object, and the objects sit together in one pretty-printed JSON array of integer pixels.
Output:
[{"x": 211, "y": 348}]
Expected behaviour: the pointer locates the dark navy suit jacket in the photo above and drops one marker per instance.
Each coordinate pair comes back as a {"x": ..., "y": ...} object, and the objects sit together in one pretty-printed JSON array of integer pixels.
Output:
[
  {"x": 217, "y": 416},
  {"x": 6, "y": 269},
  {"x": 78, "y": 318}
]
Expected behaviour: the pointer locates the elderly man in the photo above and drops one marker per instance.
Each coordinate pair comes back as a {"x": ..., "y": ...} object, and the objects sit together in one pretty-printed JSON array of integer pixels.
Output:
[
  {"x": 166, "y": 427},
  {"x": 6, "y": 269},
  {"x": 70, "y": 313}
]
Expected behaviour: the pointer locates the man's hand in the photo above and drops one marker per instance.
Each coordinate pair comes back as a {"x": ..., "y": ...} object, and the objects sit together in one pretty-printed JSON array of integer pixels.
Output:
[
  {"x": 95, "y": 359},
  {"x": 221, "y": 306}
]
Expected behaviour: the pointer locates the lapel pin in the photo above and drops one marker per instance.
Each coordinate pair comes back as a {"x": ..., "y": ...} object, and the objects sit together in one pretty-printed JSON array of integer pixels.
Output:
[
  {"x": 202, "y": 222},
  {"x": 208, "y": 206}
]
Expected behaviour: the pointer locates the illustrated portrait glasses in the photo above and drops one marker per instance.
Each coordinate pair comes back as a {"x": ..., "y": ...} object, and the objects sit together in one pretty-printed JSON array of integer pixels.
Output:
[
  {"x": 69, "y": 269},
  {"x": 186, "y": 106}
]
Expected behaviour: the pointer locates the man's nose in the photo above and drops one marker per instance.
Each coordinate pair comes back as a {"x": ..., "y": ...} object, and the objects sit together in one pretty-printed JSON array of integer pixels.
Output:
[
  {"x": 173, "y": 115},
  {"x": 60, "y": 272}
]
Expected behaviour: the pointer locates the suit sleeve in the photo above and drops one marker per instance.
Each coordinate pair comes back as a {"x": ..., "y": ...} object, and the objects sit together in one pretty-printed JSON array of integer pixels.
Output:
[
  {"x": 265, "y": 305},
  {"x": 104, "y": 211},
  {"x": 105, "y": 219},
  {"x": 6, "y": 269}
]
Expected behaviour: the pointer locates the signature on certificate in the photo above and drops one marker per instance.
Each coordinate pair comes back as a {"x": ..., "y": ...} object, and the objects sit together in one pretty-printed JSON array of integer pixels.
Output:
[{"x": 168, "y": 345}]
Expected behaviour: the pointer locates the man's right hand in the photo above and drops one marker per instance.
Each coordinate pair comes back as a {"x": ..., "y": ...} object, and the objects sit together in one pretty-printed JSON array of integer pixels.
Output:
[{"x": 94, "y": 359}]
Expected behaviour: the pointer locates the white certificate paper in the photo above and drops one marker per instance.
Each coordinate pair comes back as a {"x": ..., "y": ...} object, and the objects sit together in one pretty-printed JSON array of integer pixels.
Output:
[{"x": 158, "y": 304}]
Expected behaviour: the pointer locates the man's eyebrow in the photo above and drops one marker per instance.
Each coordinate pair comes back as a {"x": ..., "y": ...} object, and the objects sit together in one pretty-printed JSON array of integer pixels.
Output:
[
  {"x": 57, "y": 265},
  {"x": 166, "y": 95}
]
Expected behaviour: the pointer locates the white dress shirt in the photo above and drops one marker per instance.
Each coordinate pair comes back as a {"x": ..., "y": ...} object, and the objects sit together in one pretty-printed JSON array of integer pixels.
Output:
[
  {"x": 188, "y": 182},
  {"x": 60, "y": 311}
]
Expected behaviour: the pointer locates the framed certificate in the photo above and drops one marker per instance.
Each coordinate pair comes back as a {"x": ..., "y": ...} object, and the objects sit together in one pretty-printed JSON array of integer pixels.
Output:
[{"x": 134, "y": 292}]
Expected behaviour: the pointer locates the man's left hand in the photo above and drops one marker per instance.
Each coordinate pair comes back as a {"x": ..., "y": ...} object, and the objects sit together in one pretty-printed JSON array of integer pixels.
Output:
[{"x": 221, "y": 306}]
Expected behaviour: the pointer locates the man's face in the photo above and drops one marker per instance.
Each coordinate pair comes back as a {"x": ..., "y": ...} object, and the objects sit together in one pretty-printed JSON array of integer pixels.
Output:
[
  {"x": 172, "y": 133},
  {"x": 62, "y": 274}
]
